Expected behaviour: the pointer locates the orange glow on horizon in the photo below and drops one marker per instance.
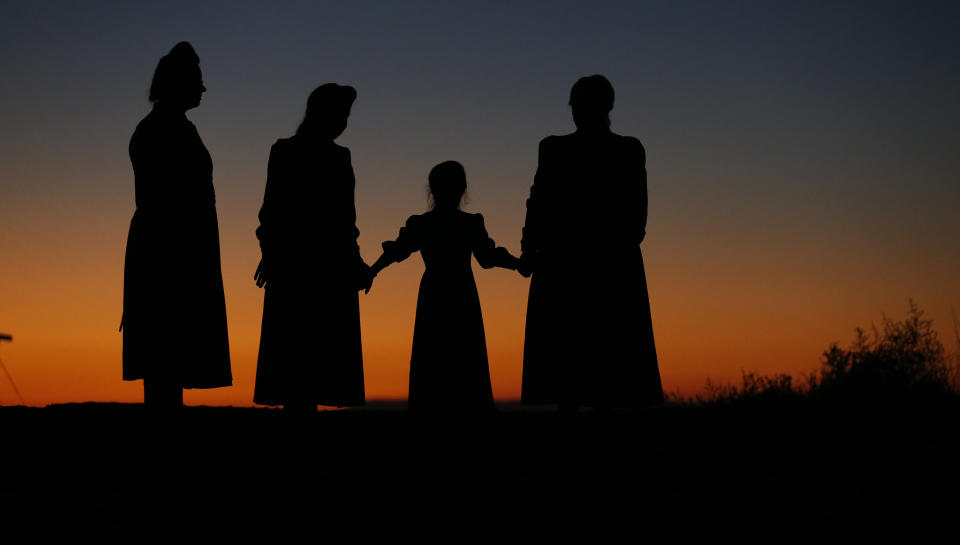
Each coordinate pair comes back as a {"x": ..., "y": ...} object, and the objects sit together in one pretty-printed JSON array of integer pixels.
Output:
[{"x": 65, "y": 309}]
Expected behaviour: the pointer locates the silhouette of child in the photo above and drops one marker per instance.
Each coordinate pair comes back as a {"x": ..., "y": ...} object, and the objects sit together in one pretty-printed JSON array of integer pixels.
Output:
[{"x": 448, "y": 364}]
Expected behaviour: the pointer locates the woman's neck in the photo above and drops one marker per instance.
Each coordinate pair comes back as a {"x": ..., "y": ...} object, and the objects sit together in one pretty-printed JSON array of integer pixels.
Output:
[
  {"x": 169, "y": 109},
  {"x": 594, "y": 130}
]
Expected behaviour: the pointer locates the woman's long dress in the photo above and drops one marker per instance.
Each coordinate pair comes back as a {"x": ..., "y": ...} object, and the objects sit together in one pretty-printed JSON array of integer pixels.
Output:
[
  {"x": 448, "y": 363},
  {"x": 174, "y": 317},
  {"x": 310, "y": 350},
  {"x": 589, "y": 335}
]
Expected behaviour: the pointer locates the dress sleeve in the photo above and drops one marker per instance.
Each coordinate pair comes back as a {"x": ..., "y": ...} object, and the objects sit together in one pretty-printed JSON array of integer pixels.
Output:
[
  {"x": 270, "y": 206},
  {"x": 486, "y": 251},
  {"x": 408, "y": 241},
  {"x": 639, "y": 188},
  {"x": 351, "y": 220},
  {"x": 530, "y": 240},
  {"x": 148, "y": 169}
]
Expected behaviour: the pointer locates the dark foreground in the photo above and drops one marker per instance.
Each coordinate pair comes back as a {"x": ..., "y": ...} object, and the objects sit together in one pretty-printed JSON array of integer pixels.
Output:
[{"x": 111, "y": 473}]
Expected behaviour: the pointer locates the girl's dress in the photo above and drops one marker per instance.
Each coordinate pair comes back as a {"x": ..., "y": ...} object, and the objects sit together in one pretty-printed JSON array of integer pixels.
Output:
[
  {"x": 448, "y": 364},
  {"x": 310, "y": 352}
]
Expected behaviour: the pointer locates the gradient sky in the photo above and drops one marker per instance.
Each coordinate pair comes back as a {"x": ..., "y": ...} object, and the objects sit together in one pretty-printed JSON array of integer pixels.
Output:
[{"x": 803, "y": 170}]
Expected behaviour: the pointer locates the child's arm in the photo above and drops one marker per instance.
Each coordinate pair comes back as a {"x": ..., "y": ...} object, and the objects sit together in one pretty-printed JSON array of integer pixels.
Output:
[
  {"x": 395, "y": 251},
  {"x": 496, "y": 257},
  {"x": 384, "y": 261},
  {"x": 487, "y": 252},
  {"x": 388, "y": 257}
]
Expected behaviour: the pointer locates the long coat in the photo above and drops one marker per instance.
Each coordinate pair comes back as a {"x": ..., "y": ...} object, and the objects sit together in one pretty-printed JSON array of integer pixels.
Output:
[
  {"x": 174, "y": 317},
  {"x": 589, "y": 337},
  {"x": 448, "y": 364},
  {"x": 310, "y": 350}
]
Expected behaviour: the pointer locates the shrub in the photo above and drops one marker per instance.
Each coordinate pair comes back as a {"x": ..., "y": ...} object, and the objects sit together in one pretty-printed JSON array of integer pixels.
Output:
[
  {"x": 752, "y": 388},
  {"x": 899, "y": 358}
]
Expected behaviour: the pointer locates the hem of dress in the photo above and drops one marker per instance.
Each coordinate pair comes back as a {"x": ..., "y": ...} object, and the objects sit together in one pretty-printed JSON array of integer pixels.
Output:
[
  {"x": 193, "y": 386},
  {"x": 275, "y": 403}
]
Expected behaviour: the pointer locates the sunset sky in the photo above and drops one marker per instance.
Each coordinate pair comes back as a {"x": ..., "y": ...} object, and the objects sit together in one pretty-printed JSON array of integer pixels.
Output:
[{"x": 804, "y": 173}]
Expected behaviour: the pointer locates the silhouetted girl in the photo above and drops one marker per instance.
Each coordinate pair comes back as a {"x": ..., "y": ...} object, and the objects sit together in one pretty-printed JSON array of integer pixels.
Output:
[
  {"x": 448, "y": 366},
  {"x": 589, "y": 337},
  {"x": 174, "y": 318},
  {"x": 310, "y": 351}
]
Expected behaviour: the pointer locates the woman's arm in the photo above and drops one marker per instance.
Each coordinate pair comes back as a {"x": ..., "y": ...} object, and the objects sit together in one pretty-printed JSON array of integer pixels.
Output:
[
  {"x": 639, "y": 187},
  {"x": 364, "y": 274},
  {"x": 530, "y": 238},
  {"x": 267, "y": 215}
]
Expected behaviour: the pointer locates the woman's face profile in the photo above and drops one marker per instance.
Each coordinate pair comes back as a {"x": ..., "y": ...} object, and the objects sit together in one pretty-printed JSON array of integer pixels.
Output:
[
  {"x": 330, "y": 124},
  {"x": 338, "y": 123},
  {"x": 186, "y": 90},
  {"x": 193, "y": 89}
]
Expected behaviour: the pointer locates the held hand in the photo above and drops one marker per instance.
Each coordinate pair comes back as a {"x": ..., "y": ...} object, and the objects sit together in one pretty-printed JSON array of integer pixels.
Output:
[
  {"x": 365, "y": 279},
  {"x": 259, "y": 276},
  {"x": 380, "y": 264},
  {"x": 525, "y": 265},
  {"x": 369, "y": 285}
]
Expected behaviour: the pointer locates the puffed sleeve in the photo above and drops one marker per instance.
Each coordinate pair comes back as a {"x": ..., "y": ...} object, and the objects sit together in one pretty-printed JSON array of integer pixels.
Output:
[
  {"x": 486, "y": 251},
  {"x": 408, "y": 241}
]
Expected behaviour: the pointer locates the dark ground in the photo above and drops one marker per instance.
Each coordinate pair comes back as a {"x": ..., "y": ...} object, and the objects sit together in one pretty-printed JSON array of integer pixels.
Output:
[{"x": 106, "y": 473}]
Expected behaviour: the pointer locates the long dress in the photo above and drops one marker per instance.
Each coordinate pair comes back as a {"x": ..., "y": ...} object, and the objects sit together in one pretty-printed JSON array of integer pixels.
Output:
[
  {"x": 448, "y": 363},
  {"x": 589, "y": 335},
  {"x": 174, "y": 317},
  {"x": 310, "y": 350}
]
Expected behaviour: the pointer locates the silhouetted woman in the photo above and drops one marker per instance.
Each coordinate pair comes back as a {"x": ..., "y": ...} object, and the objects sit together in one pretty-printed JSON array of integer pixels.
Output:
[
  {"x": 448, "y": 366},
  {"x": 174, "y": 318},
  {"x": 589, "y": 337},
  {"x": 311, "y": 269}
]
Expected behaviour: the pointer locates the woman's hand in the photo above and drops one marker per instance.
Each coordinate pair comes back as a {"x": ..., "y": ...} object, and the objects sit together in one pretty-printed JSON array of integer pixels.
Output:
[
  {"x": 259, "y": 277},
  {"x": 365, "y": 278},
  {"x": 369, "y": 285},
  {"x": 525, "y": 265}
]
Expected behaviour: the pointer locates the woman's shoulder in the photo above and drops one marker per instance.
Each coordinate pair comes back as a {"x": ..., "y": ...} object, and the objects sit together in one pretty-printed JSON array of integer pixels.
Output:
[
  {"x": 630, "y": 142},
  {"x": 281, "y": 145},
  {"x": 156, "y": 127},
  {"x": 151, "y": 124},
  {"x": 558, "y": 144},
  {"x": 554, "y": 140}
]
